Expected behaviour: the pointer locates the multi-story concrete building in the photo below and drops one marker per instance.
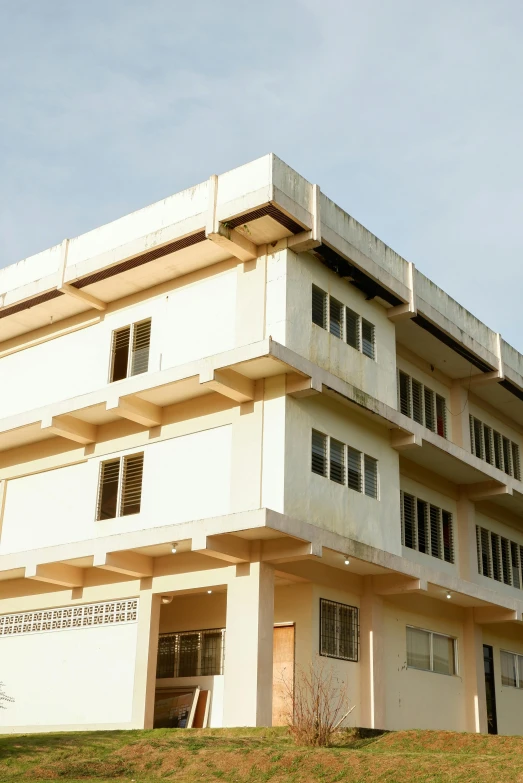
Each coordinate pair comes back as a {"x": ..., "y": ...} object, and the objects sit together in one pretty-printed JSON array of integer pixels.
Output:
[{"x": 234, "y": 417}]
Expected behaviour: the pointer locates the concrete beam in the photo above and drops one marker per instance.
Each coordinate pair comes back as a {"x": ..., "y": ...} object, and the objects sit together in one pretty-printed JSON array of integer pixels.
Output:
[
  {"x": 59, "y": 574},
  {"x": 300, "y": 386},
  {"x": 230, "y": 384},
  {"x": 225, "y": 547},
  {"x": 70, "y": 427},
  {"x": 83, "y": 296},
  {"x": 308, "y": 240},
  {"x": 397, "y": 584},
  {"x": 137, "y": 410},
  {"x": 494, "y": 614},
  {"x": 233, "y": 242},
  {"x": 480, "y": 379},
  {"x": 484, "y": 490},
  {"x": 128, "y": 563},
  {"x": 287, "y": 550},
  {"x": 402, "y": 441},
  {"x": 404, "y": 312}
]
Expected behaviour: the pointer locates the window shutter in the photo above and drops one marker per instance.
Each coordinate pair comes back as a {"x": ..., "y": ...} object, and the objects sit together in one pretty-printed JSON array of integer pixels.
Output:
[
  {"x": 319, "y": 453},
  {"x": 417, "y": 401},
  {"x": 441, "y": 423},
  {"x": 430, "y": 422},
  {"x": 507, "y": 456},
  {"x": 489, "y": 448},
  {"x": 352, "y": 328},
  {"x": 471, "y": 430},
  {"x": 422, "y": 519},
  {"x": 515, "y": 565},
  {"x": 408, "y": 521},
  {"x": 354, "y": 469},
  {"x": 435, "y": 525},
  {"x": 367, "y": 338},
  {"x": 505, "y": 561},
  {"x": 336, "y": 318},
  {"x": 337, "y": 461},
  {"x": 498, "y": 451},
  {"x": 319, "y": 307},
  {"x": 448, "y": 537},
  {"x": 107, "y": 504},
  {"x": 496, "y": 556},
  {"x": 516, "y": 465},
  {"x": 405, "y": 395},
  {"x": 120, "y": 353},
  {"x": 371, "y": 476},
  {"x": 141, "y": 344},
  {"x": 132, "y": 484}
]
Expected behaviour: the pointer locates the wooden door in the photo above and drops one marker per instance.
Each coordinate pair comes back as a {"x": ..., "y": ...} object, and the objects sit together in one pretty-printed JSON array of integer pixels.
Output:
[{"x": 282, "y": 672}]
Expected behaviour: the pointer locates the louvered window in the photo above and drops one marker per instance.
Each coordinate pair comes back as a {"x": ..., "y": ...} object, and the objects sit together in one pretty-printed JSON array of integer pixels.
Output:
[
  {"x": 499, "y": 558},
  {"x": 426, "y": 528},
  {"x": 130, "y": 350},
  {"x": 337, "y": 461},
  {"x": 343, "y": 322},
  {"x": 420, "y": 403},
  {"x": 120, "y": 487},
  {"x": 344, "y": 465},
  {"x": 339, "y": 630},
  {"x": 319, "y": 453},
  {"x": 319, "y": 307},
  {"x": 494, "y": 448},
  {"x": 190, "y": 653},
  {"x": 511, "y": 669}
]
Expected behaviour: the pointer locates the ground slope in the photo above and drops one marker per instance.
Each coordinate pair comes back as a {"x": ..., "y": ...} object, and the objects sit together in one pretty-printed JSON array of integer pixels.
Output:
[{"x": 256, "y": 755}]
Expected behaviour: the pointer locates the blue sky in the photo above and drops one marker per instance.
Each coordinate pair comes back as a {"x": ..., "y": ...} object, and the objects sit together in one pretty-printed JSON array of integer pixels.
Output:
[{"x": 408, "y": 114}]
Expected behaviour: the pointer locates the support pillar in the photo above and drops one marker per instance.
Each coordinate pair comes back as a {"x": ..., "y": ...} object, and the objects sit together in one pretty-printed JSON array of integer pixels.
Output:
[
  {"x": 372, "y": 648},
  {"x": 146, "y": 655},
  {"x": 466, "y": 530},
  {"x": 459, "y": 419},
  {"x": 248, "y": 646},
  {"x": 474, "y": 676}
]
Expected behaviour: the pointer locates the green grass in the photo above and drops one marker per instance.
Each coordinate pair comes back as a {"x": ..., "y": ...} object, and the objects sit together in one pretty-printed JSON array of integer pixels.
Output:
[{"x": 258, "y": 756}]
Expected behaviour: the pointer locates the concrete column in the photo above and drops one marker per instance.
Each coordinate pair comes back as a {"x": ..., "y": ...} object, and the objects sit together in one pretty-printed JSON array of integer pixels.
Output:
[
  {"x": 372, "y": 649},
  {"x": 146, "y": 655},
  {"x": 459, "y": 419},
  {"x": 472, "y": 666},
  {"x": 248, "y": 646},
  {"x": 467, "y": 547}
]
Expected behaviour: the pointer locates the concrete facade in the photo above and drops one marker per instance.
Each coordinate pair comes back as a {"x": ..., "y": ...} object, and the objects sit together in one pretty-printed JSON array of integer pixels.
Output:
[{"x": 214, "y": 445}]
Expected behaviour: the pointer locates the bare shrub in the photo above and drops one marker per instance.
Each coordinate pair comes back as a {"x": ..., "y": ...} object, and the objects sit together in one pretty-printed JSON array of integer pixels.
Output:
[
  {"x": 4, "y": 696},
  {"x": 316, "y": 703}
]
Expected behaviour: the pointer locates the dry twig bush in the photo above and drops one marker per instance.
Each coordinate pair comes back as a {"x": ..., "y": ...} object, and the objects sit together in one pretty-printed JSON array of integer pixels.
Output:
[{"x": 317, "y": 704}]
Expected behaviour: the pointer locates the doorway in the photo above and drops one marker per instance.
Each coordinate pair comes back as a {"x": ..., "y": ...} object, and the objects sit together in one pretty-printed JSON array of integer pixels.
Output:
[
  {"x": 282, "y": 672},
  {"x": 490, "y": 689}
]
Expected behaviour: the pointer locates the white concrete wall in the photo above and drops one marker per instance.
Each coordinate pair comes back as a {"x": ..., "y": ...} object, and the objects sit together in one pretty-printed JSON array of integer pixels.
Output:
[
  {"x": 69, "y": 678},
  {"x": 196, "y": 318},
  {"x": 333, "y": 506},
  {"x": 184, "y": 478},
  {"x": 289, "y": 320}
]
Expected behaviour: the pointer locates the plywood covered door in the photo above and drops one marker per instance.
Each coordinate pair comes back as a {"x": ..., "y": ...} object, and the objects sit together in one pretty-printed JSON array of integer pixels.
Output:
[{"x": 283, "y": 672}]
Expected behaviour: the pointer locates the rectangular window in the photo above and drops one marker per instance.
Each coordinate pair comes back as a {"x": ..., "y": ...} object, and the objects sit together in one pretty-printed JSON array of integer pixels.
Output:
[
  {"x": 511, "y": 669},
  {"x": 319, "y": 307},
  {"x": 417, "y": 401},
  {"x": 420, "y": 403},
  {"x": 319, "y": 453},
  {"x": 405, "y": 395},
  {"x": 190, "y": 653},
  {"x": 336, "y": 318},
  {"x": 427, "y": 528},
  {"x": 354, "y": 469},
  {"x": 339, "y": 630},
  {"x": 441, "y": 419},
  {"x": 367, "y": 339},
  {"x": 130, "y": 350},
  {"x": 337, "y": 461},
  {"x": 430, "y": 651},
  {"x": 499, "y": 558},
  {"x": 371, "y": 476},
  {"x": 492, "y": 447},
  {"x": 430, "y": 415},
  {"x": 120, "y": 487},
  {"x": 352, "y": 329}
]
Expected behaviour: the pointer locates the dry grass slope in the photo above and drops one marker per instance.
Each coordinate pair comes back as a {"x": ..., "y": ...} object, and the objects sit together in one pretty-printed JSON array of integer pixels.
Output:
[{"x": 259, "y": 755}]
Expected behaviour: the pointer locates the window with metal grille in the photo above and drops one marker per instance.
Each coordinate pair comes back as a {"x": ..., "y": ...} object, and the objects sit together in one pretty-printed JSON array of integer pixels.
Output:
[
  {"x": 426, "y": 528},
  {"x": 191, "y": 653},
  {"x": 420, "y": 403},
  {"x": 120, "y": 487},
  {"x": 344, "y": 465},
  {"x": 130, "y": 350},
  {"x": 494, "y": 448},
  {"x": 343, "y": 322},
  {"x": 499, "y": 558},
  {"x": 339, "y": 630},
  {"x": 431, "y": 651},
  {"x": 511, "y": 669}
]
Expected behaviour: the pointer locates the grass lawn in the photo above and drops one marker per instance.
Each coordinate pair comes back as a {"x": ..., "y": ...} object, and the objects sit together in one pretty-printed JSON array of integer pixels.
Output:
[{"x": 256, "y": 755}]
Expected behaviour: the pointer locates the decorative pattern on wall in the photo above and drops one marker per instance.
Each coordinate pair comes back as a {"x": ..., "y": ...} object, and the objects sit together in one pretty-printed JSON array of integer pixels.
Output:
[{"x": 84, "y": 616}]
